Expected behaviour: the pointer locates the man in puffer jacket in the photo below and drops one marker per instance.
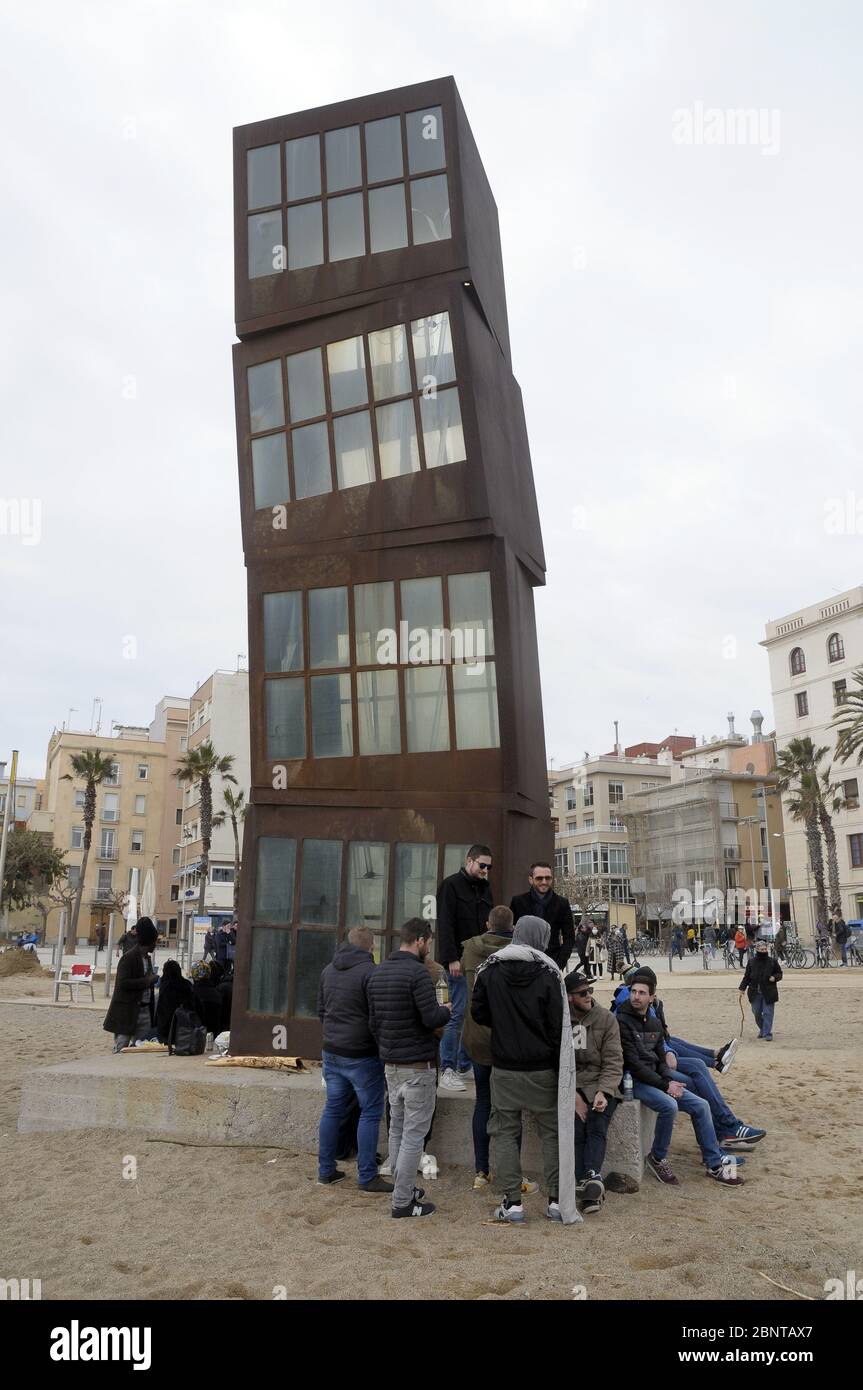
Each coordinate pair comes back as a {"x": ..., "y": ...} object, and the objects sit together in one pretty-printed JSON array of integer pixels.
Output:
[
  {"x": 351, "y": 1064},
  {"x": 598, "y": 1073}
]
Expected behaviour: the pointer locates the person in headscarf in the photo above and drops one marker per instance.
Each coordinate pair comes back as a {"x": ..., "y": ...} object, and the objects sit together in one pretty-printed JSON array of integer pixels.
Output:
[
  {"x": 520, "y": 995},
  {"x": 175, "y": 992}
]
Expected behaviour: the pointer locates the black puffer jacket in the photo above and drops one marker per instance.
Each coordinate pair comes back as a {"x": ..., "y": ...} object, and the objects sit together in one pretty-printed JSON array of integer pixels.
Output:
[
  {"x": 463, "y": 906},
  {"x": 643, "y": 1048},
  {"x": 756, "y": 978},
  {"x": 343, "y": 1003},
  {"x": 522, "y": 1003},
  {"x": 403, "y": 1010}
]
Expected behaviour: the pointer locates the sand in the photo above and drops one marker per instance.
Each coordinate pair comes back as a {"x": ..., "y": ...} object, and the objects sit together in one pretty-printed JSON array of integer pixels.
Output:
[{"x": 247, "y": 1223}]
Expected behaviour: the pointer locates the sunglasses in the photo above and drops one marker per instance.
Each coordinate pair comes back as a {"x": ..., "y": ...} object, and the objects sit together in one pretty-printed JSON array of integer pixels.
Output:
[
  {"x": 582, "y": 993},
  {"x": 481, "y": 865}
]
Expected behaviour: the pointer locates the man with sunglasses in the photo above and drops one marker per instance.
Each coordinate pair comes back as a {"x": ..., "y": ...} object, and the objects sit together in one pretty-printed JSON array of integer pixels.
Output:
[
  {"x": 464, "y": 902},
  {"x": 542, "y": 901},
  {"x": 598, "y": 1074}
]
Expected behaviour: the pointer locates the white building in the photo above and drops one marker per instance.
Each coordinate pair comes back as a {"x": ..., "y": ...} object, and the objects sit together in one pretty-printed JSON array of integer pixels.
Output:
[
  {"x": 219, "y": 711},
  {"x": 813, "y": 654}
]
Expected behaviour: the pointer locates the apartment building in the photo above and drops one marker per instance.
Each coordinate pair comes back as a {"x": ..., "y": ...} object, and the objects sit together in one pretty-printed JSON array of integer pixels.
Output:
[
  {"x": 170, "y": 727},
  {"x": 218, "y": 711},
  {"x": 27, "y": 798},
  {"x": 813, "y": 654}
]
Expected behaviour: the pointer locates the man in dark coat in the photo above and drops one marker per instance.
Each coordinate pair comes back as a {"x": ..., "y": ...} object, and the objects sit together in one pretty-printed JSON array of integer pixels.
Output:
[
  {"x": 351, "y": 1065},
  {"x": 464, "y": 901},
  {"x": 131, "y": 1013},
  {"x": 760, "y": 979},
  {"x": 542, "y": 901}
]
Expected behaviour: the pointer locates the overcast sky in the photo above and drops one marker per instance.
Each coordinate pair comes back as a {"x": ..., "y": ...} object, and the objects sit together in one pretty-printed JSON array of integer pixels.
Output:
[{"x": 685, "y": 317}]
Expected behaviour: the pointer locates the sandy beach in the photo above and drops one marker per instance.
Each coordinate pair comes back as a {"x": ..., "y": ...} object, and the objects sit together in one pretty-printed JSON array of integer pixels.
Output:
[{"x": 238, "y": 1223}]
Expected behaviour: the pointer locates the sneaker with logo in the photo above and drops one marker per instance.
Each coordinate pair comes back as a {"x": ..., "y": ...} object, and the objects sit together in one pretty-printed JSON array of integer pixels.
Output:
[
  {"x": 450, "y": 1082},
  {"x": 661, "y": 1171},
  {"x": 725, "y": 1175},
  {"x": 593, "y": 1188},
  {"x": 415, "y": 1208},
  {"x": 481, "y": 1181},
  {"x": 743, "y": 1134},
  {"x": 733, "y": 1160},
  {"x": 725, "y": 1056},
  {"x": 513, "y": 1212}
]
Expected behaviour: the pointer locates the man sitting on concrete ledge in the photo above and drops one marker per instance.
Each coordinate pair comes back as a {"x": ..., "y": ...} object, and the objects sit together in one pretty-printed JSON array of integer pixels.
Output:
[{"x": 598, "y": 1074}]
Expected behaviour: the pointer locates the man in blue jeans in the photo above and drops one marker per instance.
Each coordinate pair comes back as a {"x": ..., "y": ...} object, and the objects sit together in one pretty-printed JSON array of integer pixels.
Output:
[
  {"x": 350, "y": 1062},
  {"x": 660, "y": 1088},
  {"x": 464, "y": 902}
]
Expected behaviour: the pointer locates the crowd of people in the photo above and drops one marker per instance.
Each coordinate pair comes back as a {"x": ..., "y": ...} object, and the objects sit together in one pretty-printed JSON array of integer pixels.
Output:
[{"x": 536, "y": 1041}]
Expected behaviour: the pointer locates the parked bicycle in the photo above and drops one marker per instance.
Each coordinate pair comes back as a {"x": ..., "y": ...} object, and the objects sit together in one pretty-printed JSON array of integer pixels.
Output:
[
  {"x": 798, "y": 957},
  {"x": 825, "y": 956},
  {"x": 854, "y": 952},
  {"x": 730, "y": 958}
]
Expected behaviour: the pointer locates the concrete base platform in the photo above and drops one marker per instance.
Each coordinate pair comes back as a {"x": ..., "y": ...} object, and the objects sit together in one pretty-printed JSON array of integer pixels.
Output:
[{"x": 181, "y": 1098}]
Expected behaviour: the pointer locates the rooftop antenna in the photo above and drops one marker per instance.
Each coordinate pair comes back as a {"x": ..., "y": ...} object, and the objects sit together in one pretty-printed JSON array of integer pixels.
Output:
[{"x": 72, "y": 710}]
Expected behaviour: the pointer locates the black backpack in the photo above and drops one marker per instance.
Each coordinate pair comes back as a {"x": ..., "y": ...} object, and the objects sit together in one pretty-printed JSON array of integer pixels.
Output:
[{"x": 187, "y": 1035}]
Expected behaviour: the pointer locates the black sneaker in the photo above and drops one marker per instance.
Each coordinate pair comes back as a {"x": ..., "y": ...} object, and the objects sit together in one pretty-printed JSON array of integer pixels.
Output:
[
  {"x": 593, "y": 1191},
  {"x": 331, "y": 1178},
  {"x": 592, "y": 1207},
  {"x": 660, "y": 1170},
  {"x": 377, "y": 1184},
  {"x": 415, "y": 1208}
]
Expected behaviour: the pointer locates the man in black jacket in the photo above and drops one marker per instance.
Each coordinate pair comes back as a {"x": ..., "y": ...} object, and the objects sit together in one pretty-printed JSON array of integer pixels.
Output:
[
  {"x": 521, "y": 1001},
  {"x": 542, "y": 901},
  {"x": 760, "y": 978},
  {"x": 654, "y": 1084},
  {"x": 403, "y": 1018},
  {"x": 464, "y": 901},
  {"x": 351, "y": 1063}
]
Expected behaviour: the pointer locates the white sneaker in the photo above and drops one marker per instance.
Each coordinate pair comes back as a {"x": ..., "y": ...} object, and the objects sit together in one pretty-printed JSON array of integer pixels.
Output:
[
  {"x": 385, "y": 1170},
  {"x": 428, "y": 1166},
  {"x": 450, "y": 1082}
]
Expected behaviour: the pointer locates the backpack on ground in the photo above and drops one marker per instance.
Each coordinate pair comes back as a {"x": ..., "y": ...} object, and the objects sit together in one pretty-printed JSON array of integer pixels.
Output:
[{"x": 187, "y": 1035}]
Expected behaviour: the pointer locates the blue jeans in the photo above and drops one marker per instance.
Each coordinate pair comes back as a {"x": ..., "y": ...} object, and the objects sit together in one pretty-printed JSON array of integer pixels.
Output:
[
  {"x": 763, "y": 1016},
  {"x": 681, "y": 1048},
  {"x": 481, "y": 1116},
  {"x": 695, "y": 1074},
  {"x": 666, "y": 1112},
  {"x": 346, "y": 1076},
  {"x": 450, "y": 1044}
]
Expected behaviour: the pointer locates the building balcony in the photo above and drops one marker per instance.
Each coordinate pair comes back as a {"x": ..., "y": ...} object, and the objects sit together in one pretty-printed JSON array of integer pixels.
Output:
[
  {"x": 108, "y": 855},
  {"x": 728, "y": 810}
]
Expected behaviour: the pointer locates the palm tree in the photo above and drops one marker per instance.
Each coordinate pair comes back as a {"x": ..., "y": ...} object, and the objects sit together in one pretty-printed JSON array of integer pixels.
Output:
[
  {"x": 797, "y": 776},
  {"x": 201, "y": 764},
  {"x": 237, "y": 813},
  {"x": 94, "y": 767},
  {"x": 832, "y": 793},
  {"x": 849, "y": 722}
]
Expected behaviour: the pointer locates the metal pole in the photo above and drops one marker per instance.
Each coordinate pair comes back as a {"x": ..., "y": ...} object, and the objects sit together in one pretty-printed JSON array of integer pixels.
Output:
[
  {"x": 4, "y": 838},
  {"x": 58, "y": 965},
  {"x": 109, "y": 946}
]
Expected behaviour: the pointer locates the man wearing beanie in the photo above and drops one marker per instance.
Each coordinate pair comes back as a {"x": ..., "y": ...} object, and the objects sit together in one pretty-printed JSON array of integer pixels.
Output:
[
  {"x": 599, "y": 1071},
  {"x": 132, "y": 1009},
  {"x": 760, "y": 979}
]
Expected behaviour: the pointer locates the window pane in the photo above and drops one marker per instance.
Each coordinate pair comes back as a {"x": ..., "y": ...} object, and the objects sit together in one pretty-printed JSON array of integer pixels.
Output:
[
  {"x": 415, "y": 879},
  {"x": 453, "y": 858},
  {"x": 332, "y": 730},
  {"x": 343, "y": 158},
  {"x": 283, "y": 632},
  {"x": 430, "y": 209},
  {"x": 397, "y": 439},
  {"x": 347, "y": 233},
  {"x": 443, "y": 436},
  {"x": 274, "y": 887},
  {"x": 311, "y": 447},
  {"x": 422, "y": 603},
  {"x": 315, "y": 949},
  {"x": 265, "y": 234},
  {"x": 266, "y": 406},
  {"x": 470, "y": 613},
  {"x": 374, "y": 614},
  {"x": 378, "y": 712},
  {"x": 355, "y": 459},
  {"x": 346, "y": 362},
  {"x": 388, "y": 223},
  {"x": 305, "y": 236},
  {"x": 426, "y": 709},
  {"x": 320, "y": 882},
  {"x": 269, "y": 970},
  {"x": 286, "y": 718},
  {"x": 384, "y": 149},
  {"x": 433, "y": 354},
  {"x": 368, "y": 866},
  {"x": 263, "y": 176},
  {"x": 303, "y": 166},
  {"x": 270, "y": 471},
  {"x": 388, "y": 351},
  {"x": 306, "y": 385},
  {"x": 475, "y": 691},
  {"x": 425, "y": 140},
  {"x": 328, "y": 628}
]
